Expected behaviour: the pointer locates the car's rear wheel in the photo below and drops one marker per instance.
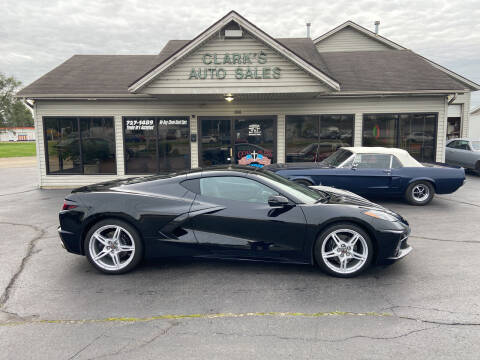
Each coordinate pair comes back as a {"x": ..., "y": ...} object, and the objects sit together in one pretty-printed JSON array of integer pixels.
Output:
[
  {"x": 303, "y": 182},
  {"x": 419, "y": 193},
  {"x": 344, "y": 250},
  {"x": 113, "y": 246}
]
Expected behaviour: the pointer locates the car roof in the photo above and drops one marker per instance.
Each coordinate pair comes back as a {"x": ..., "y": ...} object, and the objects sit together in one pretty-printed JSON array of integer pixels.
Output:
[
  {"x": 464, "y": 139},
  {"x": 405, "y": 158}
]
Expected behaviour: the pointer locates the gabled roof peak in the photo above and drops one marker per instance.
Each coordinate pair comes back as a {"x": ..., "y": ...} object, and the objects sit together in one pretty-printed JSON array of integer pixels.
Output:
[
  {"x": 361, "y": 29},
  {"x": 247, "y": 26}
]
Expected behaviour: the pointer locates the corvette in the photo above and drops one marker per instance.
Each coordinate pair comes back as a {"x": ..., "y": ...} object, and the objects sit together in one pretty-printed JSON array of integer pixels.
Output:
[{"x": 229, "y": 212}]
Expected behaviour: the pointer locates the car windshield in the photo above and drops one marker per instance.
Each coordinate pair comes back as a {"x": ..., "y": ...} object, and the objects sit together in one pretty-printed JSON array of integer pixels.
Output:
[
  {"x": 301, "y": 192},
  {"x": 476, "y": 145},
  {"x": 337, "y": 158}
]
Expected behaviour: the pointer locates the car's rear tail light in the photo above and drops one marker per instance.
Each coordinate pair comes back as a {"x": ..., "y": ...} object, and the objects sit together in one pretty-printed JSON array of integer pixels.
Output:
[{"x": 68, "y": 205}]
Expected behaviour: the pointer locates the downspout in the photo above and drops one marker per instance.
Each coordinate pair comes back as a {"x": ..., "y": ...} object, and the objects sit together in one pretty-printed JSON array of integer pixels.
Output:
[{"x": 452, "y": 99}]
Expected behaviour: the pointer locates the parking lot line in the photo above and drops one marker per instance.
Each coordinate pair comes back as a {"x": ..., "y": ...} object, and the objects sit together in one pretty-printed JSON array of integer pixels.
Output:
[{"x": 194, "y": 316}]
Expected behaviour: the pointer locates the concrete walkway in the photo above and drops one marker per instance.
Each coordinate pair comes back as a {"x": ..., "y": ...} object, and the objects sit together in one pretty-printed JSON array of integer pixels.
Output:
[{"x": 16, "y": 162}]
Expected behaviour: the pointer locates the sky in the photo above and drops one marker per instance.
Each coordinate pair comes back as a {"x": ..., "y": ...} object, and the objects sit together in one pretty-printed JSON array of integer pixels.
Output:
[{"x": 38, "y": 35}]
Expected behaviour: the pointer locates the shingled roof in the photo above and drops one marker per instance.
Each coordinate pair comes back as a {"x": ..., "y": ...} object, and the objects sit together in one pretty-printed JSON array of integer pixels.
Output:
[{"x": 382, "y": 71}]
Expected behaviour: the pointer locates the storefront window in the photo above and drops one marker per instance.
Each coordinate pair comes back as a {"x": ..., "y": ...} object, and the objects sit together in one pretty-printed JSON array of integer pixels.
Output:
[
  {"x": 412, "y": 132},
  {"x": 88, "y": 151},
  {"x": 254, "y": 141},
  {"x": 156, "y": 144},
  {"x": 248, "y": 140},
  {"x": 312, "y": 138}
]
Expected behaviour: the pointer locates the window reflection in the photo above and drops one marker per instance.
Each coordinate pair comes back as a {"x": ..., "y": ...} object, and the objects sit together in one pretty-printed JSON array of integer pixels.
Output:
[
  {"x": 412, "y": 132},
  {"x": 98, "y": 145},
  {"x": 156, "y": 144},
  {"x": 90, "y": 151},
  {"x": 312, "y": 138}
]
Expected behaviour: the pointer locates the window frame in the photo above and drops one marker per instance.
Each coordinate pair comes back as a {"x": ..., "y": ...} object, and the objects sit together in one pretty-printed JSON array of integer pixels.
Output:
[
  {"x": 80, "y": 146},
  {"x": 155, "y": 119},
  {"x": 376, "y": 168},
  {"x": 397, "y": 127},
  {"x": 318, "y": 120},
  {"x": 234, "y": 176}
]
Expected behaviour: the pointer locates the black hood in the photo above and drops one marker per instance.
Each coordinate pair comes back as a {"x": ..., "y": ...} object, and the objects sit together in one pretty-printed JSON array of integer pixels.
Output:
[{"x": 339, "y": 196}]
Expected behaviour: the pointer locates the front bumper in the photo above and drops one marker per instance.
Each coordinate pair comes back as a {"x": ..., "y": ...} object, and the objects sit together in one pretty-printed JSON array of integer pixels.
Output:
[
  {"x": 392, "y": 243},
  {"x": 403, "y": 248}
]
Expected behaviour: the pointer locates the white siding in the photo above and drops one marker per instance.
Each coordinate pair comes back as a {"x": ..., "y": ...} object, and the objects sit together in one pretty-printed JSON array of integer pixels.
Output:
[
  {"x": 474, "y": 128},
  {"x": 194, "y": 145},
  {"x": 349, "y": 39},
  {"x": 281, "y": 138},
  {"x": 280, "y": 108},
  {"x": 464, "y": 101},
  {"x": 176, "y": 80}
]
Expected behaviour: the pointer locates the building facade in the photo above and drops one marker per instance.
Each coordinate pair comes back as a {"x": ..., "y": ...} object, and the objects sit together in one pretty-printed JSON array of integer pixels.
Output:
[
  {"x": 17, "y": 134},
  {"x": 234, "y": 94},
  {"x": 474, "y": 128}
]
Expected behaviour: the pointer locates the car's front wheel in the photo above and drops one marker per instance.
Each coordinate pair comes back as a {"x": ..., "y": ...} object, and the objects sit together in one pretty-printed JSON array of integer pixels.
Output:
[
  {"x": 113, "y": 246},
  {"x": 343, "y": 250},
  {"x": 419, "y": 193}
]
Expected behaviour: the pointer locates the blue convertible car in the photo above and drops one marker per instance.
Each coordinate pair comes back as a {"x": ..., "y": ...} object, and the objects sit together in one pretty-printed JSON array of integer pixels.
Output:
[{"x": 376, "y": 171}]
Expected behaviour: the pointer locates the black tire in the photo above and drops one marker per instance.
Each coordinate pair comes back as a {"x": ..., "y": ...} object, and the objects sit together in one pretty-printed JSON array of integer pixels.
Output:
[
  {"x": 412, "y": 193},
  {"x": 135, "y": 237},
  {"x": 324, "y": 237},
  {"x": 303, "y": 182},
  {"x": 477, "y": 168}
]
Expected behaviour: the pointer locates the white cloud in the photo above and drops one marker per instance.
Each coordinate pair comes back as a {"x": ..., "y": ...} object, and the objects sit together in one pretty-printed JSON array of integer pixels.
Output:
[{"x": 36, "y": 36}]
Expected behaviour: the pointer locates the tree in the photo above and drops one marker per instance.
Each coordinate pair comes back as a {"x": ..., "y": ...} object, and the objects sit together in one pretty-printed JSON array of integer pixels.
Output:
[{"x": 13, "y": 111}]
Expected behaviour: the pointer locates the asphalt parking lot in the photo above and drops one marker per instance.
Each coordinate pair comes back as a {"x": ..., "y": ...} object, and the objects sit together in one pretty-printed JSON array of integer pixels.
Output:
[{"x": 54, "y": 305}]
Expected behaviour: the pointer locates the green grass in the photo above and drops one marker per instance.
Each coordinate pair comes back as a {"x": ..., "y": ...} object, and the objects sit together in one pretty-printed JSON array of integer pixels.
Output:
[{"x": 11, "y": 149}]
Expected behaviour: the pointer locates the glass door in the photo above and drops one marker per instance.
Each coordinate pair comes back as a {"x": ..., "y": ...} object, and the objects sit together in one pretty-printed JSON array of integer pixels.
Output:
[
  {"x": 216, "y": 141},
  {"x": 244, "y": 140}
]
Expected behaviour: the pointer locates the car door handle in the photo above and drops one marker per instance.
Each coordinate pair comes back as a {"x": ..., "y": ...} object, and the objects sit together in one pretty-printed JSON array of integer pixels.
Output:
[{"x": 387, "y": 171}]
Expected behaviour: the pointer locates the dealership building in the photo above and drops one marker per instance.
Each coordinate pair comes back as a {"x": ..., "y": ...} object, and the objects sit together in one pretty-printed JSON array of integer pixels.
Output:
[{"x": 234, "y": 94}]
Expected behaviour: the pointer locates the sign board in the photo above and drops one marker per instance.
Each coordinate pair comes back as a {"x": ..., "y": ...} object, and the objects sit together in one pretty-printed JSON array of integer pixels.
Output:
[{"x": 249, "y": 66}]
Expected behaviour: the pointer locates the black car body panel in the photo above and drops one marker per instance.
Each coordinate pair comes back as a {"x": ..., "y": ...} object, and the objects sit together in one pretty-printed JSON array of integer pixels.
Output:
[{"x": 175, "y": 219}]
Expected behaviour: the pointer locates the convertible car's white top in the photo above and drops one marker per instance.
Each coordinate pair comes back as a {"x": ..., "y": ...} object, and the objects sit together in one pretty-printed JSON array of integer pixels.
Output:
[{"x": 405, "y": 158}]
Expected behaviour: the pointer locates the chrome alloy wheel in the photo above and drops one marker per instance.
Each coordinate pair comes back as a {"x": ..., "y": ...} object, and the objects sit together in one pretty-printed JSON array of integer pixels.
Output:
[
  {"x": 112, "y": 247},
  {"x": 344, "y": 251},
  {"x": 420, "y": 192}
]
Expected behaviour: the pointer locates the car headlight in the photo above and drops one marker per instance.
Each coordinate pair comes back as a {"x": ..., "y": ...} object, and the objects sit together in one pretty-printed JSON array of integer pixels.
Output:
[{"x": 380, "y": 215}]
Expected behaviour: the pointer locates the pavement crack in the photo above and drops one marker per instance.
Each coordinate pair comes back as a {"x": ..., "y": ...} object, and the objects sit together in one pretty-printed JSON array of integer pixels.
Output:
[
  {"x": 126, "y": 350},
  {"x": 446, "y": 240},
  {"x": 428, "y": 309},
  {"x": 315, "y": 339},
  {"x": 19, "y": 192},
  {"x": 458, "y": 201},
  {"x": 30, "y": 251},
  {"x": 85, "y": 347}
]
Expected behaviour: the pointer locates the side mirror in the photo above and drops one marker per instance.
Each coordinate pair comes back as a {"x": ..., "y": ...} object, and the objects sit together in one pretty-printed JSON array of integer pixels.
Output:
[{"x": 278, "y": 201}]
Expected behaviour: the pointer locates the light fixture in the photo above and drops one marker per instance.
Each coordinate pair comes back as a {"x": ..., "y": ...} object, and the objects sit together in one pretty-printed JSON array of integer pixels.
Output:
[{"x": 229, "y": 97}]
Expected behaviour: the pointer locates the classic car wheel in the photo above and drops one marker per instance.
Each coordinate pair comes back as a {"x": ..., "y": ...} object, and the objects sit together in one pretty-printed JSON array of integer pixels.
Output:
[
  {"x": 419, "y": 193},
  {"x": 344, "y": 250},
  {"x": 113, "y": 246},
  {"x": 303, "y": 182}
]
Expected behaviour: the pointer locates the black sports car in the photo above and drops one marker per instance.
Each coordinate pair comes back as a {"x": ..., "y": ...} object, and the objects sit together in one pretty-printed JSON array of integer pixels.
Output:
[{"x": 229, "y": 212}]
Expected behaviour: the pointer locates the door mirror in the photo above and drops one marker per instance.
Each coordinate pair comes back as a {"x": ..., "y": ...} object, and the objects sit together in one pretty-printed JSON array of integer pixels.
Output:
[{"x": 278, "y": 201}]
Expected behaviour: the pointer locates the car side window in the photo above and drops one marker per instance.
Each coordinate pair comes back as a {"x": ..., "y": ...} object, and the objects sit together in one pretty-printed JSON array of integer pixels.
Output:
[
  {"x": 463, "y": 145},
  {"x": 372, "y": 161},
  {"x": 235, "y": 188},
  {"x": 453, "y": 144},
  {"x": 396, "y": 164}
]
